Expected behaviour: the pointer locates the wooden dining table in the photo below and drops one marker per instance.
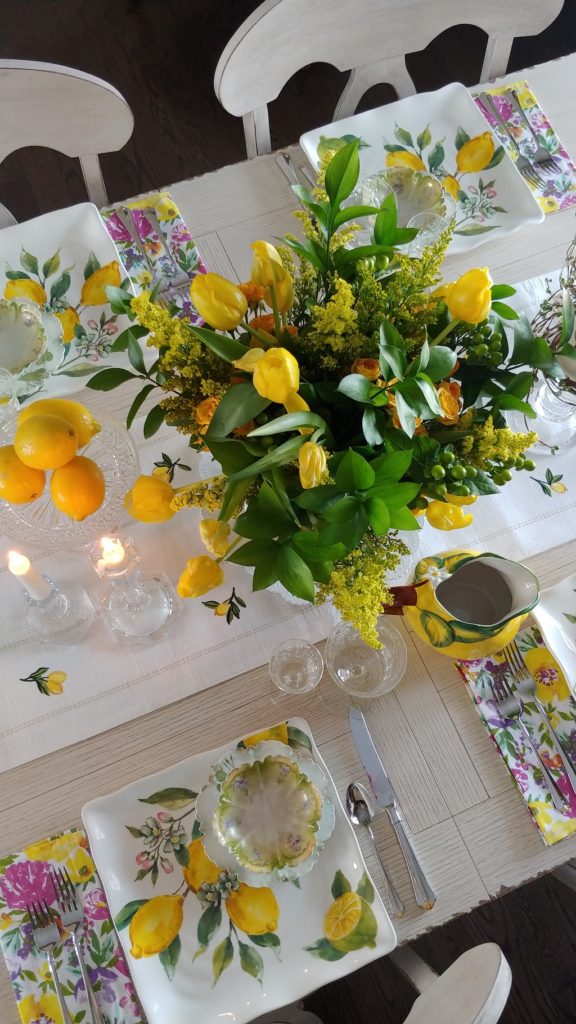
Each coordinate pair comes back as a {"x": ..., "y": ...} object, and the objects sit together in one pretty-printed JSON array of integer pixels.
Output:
[{"x": 469, "y": 826}]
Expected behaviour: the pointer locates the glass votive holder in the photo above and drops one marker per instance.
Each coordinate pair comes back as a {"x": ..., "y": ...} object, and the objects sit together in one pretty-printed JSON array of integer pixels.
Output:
[
  {"x": 296, "y": 666},
  {"x": 113, "y": 557},
  {"x": 140, "y": 608},
  {"x": 361, "y": 670}
]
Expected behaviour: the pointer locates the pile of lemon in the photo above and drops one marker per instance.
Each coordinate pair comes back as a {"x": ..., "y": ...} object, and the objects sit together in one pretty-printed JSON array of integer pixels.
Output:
[{"x": 49, "y": 434}]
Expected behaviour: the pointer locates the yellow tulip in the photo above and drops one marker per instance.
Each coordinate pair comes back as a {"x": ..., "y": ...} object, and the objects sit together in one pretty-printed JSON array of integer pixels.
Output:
[
  {"x": 445, "y": 516},
  {"x": 25, "y": 289},
  {"x": 55, "y": 680},
  {"x": 276, "y": 374},
  {"x": 461, "y": 499},
  {"x": 215, "y": 536},
  {"x": 250, "y": 361},
  {"x": 451, "y": 185},
  {"x": 69, "y": 318},
  {"x": 149, "y": 500},
  {"x": 270, "y": 273},
  {"x": 311, "y": 464},
  {"x": 200, "y": 575},
  {"x": 369, "y": 368},
  {"x": 220, "y": 302},
  {"x": 469, "y": 298},
  {"x": 93, "y": 293},
  {"x": 295, "y": 403},
  {"x": 475, "y": 154},
  {"x": 405, "y": 159}
]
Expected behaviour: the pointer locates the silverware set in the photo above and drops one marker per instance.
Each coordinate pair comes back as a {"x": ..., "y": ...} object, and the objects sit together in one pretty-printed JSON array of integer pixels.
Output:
[
  {"x": 47, "y": 937},
  {"x": 168, "y": 279},
  {"x": 530, "y": 162}
]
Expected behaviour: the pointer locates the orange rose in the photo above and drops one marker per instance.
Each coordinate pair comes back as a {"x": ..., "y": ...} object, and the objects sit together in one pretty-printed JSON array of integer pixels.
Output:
[
  {"x": 369, "y": 368},
  {"x": 266, "y": 323},
  {"x": 252, "y": 292},
  {"x": 450, "y": 402},
  {"x": 205, "y": 410},
  {"x": 243, "y": 430}
]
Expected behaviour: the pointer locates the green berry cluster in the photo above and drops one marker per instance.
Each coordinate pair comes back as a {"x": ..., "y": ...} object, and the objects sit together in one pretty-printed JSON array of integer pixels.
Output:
[
  {"x": 501, "y": 471},
  {"x": 482, "y": 344},
  {"x": 448, "y": 475}
]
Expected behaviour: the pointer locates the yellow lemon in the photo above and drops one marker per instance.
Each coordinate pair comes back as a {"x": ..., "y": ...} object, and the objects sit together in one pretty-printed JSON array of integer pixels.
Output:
[
  {"x": 155, "y": 925},
  {"x": 25, "y": 289},
  {"x": 451, "y": 185},
  {"x": 69, "y": 318},
  {"x": 18, "y": 483},
  {"x": 200, "y": 868},
  {"x": 404, "y": 159},
  {"x": 45, "y": 442},
  {"x": 475, "y": 154},
  {"x": 350, "y": 923},
  {"x": 78, "y": 488},
  {"x": 84, "y": 423},
  {"x": 277, "y": 732},
  {"x": 93, "y": 293},
  {"x": 253, "y": 910}
]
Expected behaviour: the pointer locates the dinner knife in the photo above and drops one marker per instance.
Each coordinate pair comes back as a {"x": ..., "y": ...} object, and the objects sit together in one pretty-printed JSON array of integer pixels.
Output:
[{"x": 384, "y": 794}]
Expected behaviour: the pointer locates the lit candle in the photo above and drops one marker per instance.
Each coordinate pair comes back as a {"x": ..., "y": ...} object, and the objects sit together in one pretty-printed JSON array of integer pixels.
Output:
[
  {"x": 29, "y": 577},
  {"x": 113, "y": 554}
]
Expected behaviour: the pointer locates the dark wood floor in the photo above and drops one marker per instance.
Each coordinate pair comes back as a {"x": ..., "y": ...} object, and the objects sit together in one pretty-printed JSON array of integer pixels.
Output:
[{"x": 162, "y": 56}]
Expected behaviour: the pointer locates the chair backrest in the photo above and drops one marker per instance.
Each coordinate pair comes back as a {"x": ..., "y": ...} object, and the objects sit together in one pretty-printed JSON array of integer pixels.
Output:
[
  {"x": 369, "y": 38},
  {"x": 474, "y": 990},
  {"x": 62, "y": 109}
]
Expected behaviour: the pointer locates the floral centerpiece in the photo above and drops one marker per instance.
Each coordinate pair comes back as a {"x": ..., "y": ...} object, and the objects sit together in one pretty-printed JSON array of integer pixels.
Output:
[{"x": 342, "y": 394}]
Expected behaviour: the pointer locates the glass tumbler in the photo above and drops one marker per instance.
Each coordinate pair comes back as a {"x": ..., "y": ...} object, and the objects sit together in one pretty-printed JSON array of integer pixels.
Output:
[
  {"x": 296, "y": 666},
  {"x": 361, "y": 670}
]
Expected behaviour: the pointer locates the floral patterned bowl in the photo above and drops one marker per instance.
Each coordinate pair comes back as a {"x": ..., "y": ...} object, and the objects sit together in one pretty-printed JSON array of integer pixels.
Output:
[
  {"x": 30, "y": 344},
  {"x": 265, "y": 810}
]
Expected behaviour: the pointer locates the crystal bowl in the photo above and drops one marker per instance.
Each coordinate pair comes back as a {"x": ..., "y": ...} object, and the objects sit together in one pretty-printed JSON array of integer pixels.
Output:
[
  {"x": 421, "y": 202},
  {"x": 31, "y": 345},
  {"x": 264, "y": 813},
  {"x": 39, "y": 523}
]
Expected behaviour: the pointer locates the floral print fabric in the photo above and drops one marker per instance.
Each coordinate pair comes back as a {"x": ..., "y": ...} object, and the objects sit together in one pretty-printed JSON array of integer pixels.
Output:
[{"x": 553, "y": 692}]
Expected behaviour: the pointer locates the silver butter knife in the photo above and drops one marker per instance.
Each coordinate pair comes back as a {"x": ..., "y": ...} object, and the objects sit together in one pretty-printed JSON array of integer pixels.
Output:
[{"x": 384, "y": 794}]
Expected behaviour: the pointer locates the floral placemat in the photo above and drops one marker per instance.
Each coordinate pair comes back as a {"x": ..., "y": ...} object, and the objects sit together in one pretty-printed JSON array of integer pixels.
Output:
[
  {"x": 559, "y": 189},
  {"x": 25, "y": 877},
  {"x": 553, "y": 692},
  {"x": 175, "y": 237}
]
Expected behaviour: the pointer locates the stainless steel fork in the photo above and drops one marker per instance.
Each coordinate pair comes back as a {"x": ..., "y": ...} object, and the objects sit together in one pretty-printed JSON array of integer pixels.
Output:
[
  {"x": 527, "y": 687},
  {"x": 72, "y": 917},
  {"x": 511, "y": 707},
  {"x": 522, "y": 162},
  {"x": 541, "y": 155},
  {"x": 46, "y": 937}
]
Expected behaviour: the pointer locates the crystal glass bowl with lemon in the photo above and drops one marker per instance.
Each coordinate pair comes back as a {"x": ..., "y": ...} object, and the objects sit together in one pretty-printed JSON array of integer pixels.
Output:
[
  {"x": 264, "y": 814},
  {"x": 62, "y": 474}
]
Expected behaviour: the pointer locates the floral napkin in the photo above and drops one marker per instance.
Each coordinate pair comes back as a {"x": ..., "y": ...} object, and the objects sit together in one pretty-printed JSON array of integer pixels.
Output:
[
  {"x": 174, "y": 233},
  {"x": 560, "y": 706},
  {"x": 559, "y": 191},
  {"x": 25, "y": 877}
]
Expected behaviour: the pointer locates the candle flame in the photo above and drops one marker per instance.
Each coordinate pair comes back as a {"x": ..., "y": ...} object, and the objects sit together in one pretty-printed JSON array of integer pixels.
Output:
[
  {"x": 113, "y": 552},
  {"x": 18, "y": 564}
]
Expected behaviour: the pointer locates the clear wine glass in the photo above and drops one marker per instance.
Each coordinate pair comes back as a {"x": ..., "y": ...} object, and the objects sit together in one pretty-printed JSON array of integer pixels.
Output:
[
  {"x": 296, "y": 666},
  {"x": 361, "y": 670}
]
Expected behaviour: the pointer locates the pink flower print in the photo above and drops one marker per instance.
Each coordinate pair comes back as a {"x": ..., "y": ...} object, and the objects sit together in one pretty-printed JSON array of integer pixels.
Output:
[
  {"x": 504, "y": 108},
  {"x": 141, "y": 223},
  {"x": 180, "y": 235},
  {"x": 143, "y": 860},
  {"x": 129, "y": 1002},
  {"x": 95, "y": 906},
  {"x": 26, "y": 881},
  {"x": 163, "y": 816},
  {"x": 111, "y": 329},
  {"x": 93, "y": 325},
  {"x": 116, "y": 229},
  {"x": 167, "y": 866}
]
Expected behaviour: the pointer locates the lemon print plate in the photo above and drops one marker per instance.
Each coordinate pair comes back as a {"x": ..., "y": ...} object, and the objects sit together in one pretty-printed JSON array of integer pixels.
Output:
[
  {"x": 60, "y": 264},
  {"x": 445, "y": 134},
  {"x": 201, "y": 943}
]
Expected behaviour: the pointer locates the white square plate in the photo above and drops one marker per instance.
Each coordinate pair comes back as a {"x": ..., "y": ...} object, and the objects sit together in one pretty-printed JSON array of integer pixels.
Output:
[
  {"x": 270, "y": 949},
  {"x": 555, "y": 613},
  {"x": 427, "y": 131},
  {"x": 53, "y": 256}
]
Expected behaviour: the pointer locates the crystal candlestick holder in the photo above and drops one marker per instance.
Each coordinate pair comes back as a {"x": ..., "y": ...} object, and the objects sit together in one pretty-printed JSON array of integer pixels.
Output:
[
  {"x": 113, "y": 557},
  {"x": 140, "y": 608},
  {"x": 64, "y": 616}
]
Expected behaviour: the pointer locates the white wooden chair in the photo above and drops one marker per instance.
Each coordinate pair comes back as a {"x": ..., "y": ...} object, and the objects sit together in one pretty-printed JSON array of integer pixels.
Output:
[
  {"x": 62, "y": 109},
  {"x": 474, "y": 990},
  {"x": 368, "y": 38}
]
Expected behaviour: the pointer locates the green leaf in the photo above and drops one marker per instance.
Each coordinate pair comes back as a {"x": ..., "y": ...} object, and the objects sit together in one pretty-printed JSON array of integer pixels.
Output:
[
  {"x": 135, "y": 331},
  {"x": 460, "y": 138},
  {"x": 342, "y": 174},
  {"x": 91, "y": 266},
  {"x": 51, "y": 265},
  {"x": 254, "y": 552},
  {"x": 119, "y": 299},
  {"x": 268, "y": 940},
  {"x": 137, "y": 403},
  {"x": 393, "y": 360},
  {"x": 353, "y": 213},
  {"x": 378, "y": 515},
  {"x": 436, "y": 157},
  {"x": 370, "y": 427},
  {"x": 403, "y": 136},
  {"x": 476, "y": 229},
  {"x": 429, "y": 394},
  {"x": 354, "y": 473},
  {"x": 135, "y": 354},
  {"x": 237, "y": 406},
  {"x": 153, "y": 421},
  {"x": 403, "y": 519},
  {"x": 78, "y": 370},
  {"x": 285, "y": 452},
  {"x": 134, "y": 831},
  {"x": 307, "y": 250},
  {"x": 298, "y": 738},
  {"x": 391, "y": 466},
  {"x": 308, "y": 545},
  {"x": 342, "y": 510},
  {"x": 60, "y": 286},
  {"x": 499, "y": 154},
  {"x": 365, "y": 889},
  {"x": 250, "y": 960},
  {"x": 173, "y": 797},
  {"x": 357, "y": 387},
  {"x": 324, "y": 950},
  {"x": 209, "y": 924},
  {"x": 222, "y": 957},
  {"x": 571, "y": 618},
  {"x": 394, "y": 494},
  {"x": 29, "y": 262},
  {"x": 567, "y": 323},
  {"x": 506, "y": 401},
  {"x": 386, "y": 221},
  {"x": 110, "y": 378},
  {"x": 227, "y": 348},
  {"x": 482, "y": 484},
  {"x": 265, "y": 573},
  {"x": 256, "y": 525},
  {"x": 125, "y": 915},
  {"x": 424, "y": 139},
  {"x": 316, "y": 498},
  {"x": 504, "y": 311},
  {"x": 502, "y": 291},
  {"x": 17, "y": 275},
  {"x": 234, "y": 494},
  {"x": 169, "y": 957},
  {"x": 406, "y": 414},
  {"x": 294, "y": 574},
  {"x": 340, "y": 885},
  {"x": 231, "y": 454},
  {"x": 441, "y": 362},
  {"x": 291, "y": 421}
]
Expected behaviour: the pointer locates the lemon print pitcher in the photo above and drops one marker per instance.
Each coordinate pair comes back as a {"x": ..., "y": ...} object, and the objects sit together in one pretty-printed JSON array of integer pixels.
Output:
[{"x": 465, "y": 604}]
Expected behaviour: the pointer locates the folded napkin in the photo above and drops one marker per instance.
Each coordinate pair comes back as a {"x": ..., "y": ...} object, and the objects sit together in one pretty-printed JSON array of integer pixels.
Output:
[
  {"x": 555, "y": 695},
  {"x": 25, "y": 877},
  {"x": 559, "y": 190},
  {"x": 174, "y": 233}
]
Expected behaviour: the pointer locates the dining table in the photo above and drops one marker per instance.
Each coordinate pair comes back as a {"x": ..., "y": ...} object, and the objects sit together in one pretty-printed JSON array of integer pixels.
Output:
[{"x": 470, "y": 830}]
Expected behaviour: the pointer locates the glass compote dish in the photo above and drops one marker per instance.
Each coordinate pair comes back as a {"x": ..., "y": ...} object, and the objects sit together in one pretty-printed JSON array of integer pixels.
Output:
[
  {"x": 31, "y": 345},
  {"x": 264, "y": 813},
  {"x": 421, "y": 202}
]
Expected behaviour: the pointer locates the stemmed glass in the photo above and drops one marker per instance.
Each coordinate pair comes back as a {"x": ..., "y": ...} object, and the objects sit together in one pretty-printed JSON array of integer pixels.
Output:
[{"x": 361, "y": 670}]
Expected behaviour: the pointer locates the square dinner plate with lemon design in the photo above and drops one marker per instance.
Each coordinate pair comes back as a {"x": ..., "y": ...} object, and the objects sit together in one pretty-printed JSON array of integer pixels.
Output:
[
  {"x": 444, "y": 134},
  {"x": 61, "y": 262},
  {"x": 203, "y": 946}
]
